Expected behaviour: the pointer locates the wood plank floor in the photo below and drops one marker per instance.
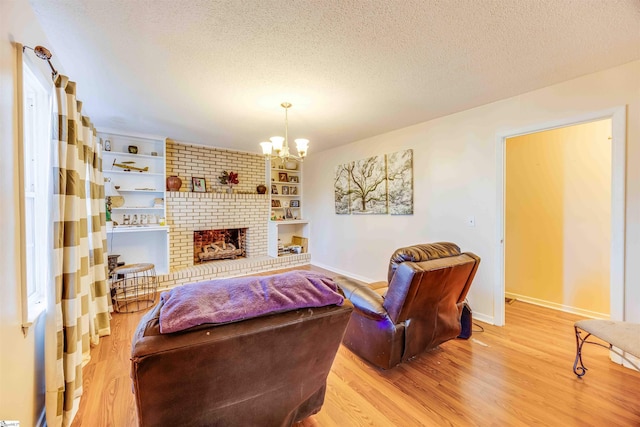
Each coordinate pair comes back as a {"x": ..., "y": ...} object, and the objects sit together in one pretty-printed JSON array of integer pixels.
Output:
[{"x": 517, "y": 375}]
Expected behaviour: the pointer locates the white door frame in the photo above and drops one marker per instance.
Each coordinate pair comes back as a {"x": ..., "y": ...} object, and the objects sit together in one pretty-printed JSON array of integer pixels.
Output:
[{"x": 618, "y": 173}]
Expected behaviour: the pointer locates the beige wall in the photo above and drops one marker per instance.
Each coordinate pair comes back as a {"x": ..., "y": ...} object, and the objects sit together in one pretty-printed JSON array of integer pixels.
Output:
[
  {"x": 21, "y": 357},
  {"x": 455, "y": 176},
  {"x": 558, "y": 217}
]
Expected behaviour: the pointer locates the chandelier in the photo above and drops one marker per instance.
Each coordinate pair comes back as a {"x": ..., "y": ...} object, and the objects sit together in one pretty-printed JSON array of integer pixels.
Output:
[{"x": 278, "y": 148}]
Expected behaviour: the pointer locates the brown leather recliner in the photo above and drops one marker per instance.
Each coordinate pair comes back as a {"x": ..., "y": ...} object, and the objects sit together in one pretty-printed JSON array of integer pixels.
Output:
[
  {"x": 265, "y": 371},
  {"x": 418, "y": 309}
]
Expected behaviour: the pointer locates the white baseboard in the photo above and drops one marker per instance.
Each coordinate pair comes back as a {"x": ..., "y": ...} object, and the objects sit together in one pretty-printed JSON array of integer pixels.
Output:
[
  {"x": 629, "y": 361},
  {"x": 556, "y": 306},
  {"x": 482, "y": 317},
  {"x": 344, "y": 273}
]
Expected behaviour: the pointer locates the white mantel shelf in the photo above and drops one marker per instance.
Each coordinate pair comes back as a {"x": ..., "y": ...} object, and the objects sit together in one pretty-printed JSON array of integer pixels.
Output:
[
  {"x": 290, "y": 221},
  {"x": 137, "y": 229},
  {"x": 192, "y": 195}
]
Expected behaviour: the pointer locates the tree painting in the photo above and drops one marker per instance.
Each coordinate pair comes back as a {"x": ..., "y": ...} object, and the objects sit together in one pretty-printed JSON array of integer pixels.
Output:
[
  {"x": 400, "y": 182},
  {"x": 368, "y": 185},
  {"x": 341, "y": 189}
]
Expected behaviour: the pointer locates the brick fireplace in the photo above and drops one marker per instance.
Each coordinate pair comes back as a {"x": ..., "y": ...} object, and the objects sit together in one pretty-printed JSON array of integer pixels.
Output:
[{"x": 191, "y": 212}]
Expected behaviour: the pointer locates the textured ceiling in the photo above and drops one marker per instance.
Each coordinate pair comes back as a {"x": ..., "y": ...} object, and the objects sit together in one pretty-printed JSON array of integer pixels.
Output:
[{"x": 215, "y": 72}]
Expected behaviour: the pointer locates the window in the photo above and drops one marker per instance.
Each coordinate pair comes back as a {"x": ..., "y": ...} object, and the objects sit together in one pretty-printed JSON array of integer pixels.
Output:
[{"x": 35, "y": 170}]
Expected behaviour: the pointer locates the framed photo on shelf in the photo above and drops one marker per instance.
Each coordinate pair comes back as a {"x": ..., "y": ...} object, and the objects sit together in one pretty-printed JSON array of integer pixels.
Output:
[
  {"x": 295, "y": 203},
  {"x": 293, "y": 191},
  {"x": 275, "y": 203},
  {"x": 283, "y": 177},
  {"x": 285, "y": 190},
  {"x": 274, "y": 189},
  {"x": 293, "y": 178},
  {"x": 198, "y": 185},
  {"x": 288, "y": 214}
]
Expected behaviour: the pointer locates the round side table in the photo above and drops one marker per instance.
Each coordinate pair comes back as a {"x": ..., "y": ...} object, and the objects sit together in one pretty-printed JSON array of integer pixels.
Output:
[{"x": 133, "y": 287}]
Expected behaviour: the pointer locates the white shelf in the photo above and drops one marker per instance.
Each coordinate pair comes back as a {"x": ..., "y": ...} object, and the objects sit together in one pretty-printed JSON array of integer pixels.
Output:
[
  {"x": 137, "y": 208},
  {"x": 290, "y": 221},
  {"x": 275, "y": 196},
  {"x": 138, "y": 229},
  {"x": 286, "y": 170},
  {"x": 122, "y": 153},
  {"x": 132, "y": 172},
  {"x": 120, "y": 190},
  {"x": 287, "y": 254}
]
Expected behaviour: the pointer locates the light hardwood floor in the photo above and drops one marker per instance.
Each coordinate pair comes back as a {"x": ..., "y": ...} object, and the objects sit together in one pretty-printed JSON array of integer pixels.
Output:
[{"x": 516, "y": 375}]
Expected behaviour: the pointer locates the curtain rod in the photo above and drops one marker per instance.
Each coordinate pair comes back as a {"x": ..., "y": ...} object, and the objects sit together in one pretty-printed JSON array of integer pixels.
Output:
[{"x": 43, "y": 53}]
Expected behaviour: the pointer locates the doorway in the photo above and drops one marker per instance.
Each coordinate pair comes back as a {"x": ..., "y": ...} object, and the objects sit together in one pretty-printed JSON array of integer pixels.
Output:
[
  {"x": 557, "y": 218},
  {"x": 617, "y": 118}
]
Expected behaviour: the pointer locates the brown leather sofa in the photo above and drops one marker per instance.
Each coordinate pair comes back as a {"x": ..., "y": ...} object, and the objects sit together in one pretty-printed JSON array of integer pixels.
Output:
[
  {"x": 265, "y": 371},
  {"x": 417, "y": 309}
]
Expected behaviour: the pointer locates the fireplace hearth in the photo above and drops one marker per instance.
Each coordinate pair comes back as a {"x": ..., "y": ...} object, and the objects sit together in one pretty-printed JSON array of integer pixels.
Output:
[{"x": 214, "y": 245}]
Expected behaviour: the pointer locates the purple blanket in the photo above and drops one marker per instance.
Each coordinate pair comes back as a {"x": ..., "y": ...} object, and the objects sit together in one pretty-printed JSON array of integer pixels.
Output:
[{"x": 229, "y": 300}]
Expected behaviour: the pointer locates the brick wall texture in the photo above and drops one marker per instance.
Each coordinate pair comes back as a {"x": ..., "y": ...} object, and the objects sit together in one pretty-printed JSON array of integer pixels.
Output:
[
  {"x": 189, "y": 212},
  {"x": 187, "y": 161}
]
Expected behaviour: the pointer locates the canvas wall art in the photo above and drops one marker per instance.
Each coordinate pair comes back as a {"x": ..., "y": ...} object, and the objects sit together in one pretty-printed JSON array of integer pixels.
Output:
[
  {"x": 400, "y": 182},
  {"x": 341, "y": 190},
  {"x": 375, "y": 185},
  {"x": 368, "y": 185}
]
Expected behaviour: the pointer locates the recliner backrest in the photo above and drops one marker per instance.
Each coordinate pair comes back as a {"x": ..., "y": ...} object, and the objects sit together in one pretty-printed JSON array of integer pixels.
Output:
[
  {"x": 423, "y": 252},
  {"x": 424, "y": 288}
]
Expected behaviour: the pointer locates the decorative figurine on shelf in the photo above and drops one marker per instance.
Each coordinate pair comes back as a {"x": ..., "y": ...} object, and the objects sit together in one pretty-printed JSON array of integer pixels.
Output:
[
  {"x": 128, "y": 166},
  {"x": 230, "y": 179}
]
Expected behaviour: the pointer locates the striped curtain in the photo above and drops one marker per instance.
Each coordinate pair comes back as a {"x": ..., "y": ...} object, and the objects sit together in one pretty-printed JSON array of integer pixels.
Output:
[{"x": 80, "y": 307}]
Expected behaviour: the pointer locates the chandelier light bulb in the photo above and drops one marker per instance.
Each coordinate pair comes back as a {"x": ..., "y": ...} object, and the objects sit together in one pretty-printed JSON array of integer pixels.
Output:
[
  {"x": 277, "y": 142},
  {"x": 302, "y": 145},
  {"x": 266, "y": 148}
]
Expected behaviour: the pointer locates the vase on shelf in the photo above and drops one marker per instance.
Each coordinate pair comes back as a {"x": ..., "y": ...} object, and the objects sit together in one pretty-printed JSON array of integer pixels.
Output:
[
  {"x": 173, "y": 183},
  {"x": 291, "y": 165}
]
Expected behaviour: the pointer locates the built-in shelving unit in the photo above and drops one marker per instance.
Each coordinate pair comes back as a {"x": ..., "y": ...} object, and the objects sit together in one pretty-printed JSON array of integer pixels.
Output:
[
  {"x": 138, "y": 234},
  {"x": 287, "y": 224},
  {"x": 285, "y": 191},
  {"x": 283, "y": 234}
]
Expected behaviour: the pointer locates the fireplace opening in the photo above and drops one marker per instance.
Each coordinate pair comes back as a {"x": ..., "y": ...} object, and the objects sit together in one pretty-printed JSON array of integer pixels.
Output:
[{"x": 213, "y": 245}]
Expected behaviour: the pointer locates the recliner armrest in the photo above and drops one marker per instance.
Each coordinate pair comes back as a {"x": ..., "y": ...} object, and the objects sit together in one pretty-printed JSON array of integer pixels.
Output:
[{"x": 364, "y": 299}]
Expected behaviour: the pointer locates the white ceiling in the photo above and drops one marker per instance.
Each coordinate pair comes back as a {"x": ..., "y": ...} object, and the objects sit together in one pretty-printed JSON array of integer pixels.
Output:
[{"x": 215, "y": 72}]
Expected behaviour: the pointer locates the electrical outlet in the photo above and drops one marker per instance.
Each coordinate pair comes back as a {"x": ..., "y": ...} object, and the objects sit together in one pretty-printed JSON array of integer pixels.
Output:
[{"x": 471, "y": 221}]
